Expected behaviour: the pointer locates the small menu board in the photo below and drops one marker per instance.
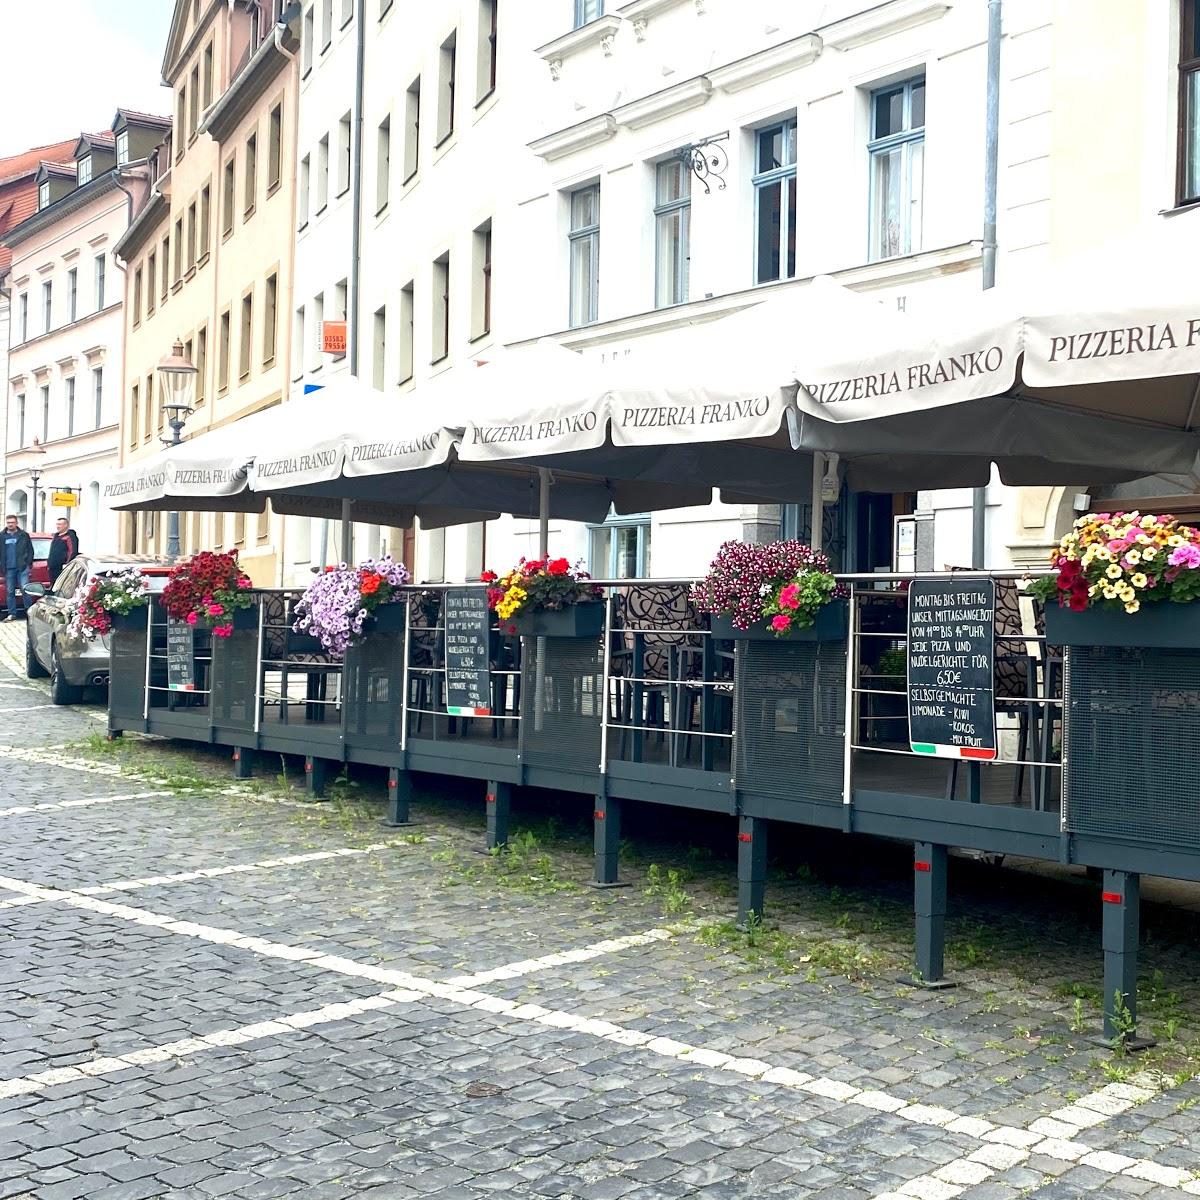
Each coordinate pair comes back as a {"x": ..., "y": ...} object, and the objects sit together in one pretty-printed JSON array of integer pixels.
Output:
[
  {"x": 181, "y": 656},
  {"x": 468, "y": 622},
  {"x": 951, "y": 661}
]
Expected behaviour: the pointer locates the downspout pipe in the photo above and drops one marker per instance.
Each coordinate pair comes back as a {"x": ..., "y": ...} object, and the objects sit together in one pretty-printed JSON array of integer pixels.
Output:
[{"x": 990, "y": 178}]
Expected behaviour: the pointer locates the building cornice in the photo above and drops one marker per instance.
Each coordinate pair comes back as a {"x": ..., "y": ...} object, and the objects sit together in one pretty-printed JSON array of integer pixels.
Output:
[
  {"x": 601, "y": 32},
  {"x": 251, "y": 84},
  {"x": 143, "y": 226},
  {"x": 639, "y": 12},
  {"x": 767, "y": 64},
  {"x": 52, "y": 333},
  {"x": 71, "y": 202},
  {"x": 575, "y": 138},
  {"x": 881, "y": 22},
  {"x": 680, "y": 97}
]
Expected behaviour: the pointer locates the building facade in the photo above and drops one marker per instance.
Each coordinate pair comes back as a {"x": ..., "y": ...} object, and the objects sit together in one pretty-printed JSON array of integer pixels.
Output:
[
  {"x": 208, "y": 259},
  {"x": 66, "y": 335}
]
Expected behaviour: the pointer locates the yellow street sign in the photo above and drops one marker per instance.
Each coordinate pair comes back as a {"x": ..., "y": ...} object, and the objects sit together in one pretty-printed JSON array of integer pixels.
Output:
[{"x": 63, "y": 500}]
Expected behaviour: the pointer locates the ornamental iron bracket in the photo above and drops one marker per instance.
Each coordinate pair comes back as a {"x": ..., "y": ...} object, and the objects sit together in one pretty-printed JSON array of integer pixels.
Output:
[{"x": 707, "y": 160}]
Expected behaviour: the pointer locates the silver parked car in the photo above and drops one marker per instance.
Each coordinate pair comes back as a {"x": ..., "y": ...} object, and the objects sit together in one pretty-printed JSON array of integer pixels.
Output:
[{"x": 73, "y": 664}]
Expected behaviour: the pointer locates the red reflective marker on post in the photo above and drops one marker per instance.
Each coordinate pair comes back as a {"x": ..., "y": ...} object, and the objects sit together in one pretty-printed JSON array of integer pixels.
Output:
[
  {"x": 1112, "y": 897},
  {"x": 922, "y": 866}
]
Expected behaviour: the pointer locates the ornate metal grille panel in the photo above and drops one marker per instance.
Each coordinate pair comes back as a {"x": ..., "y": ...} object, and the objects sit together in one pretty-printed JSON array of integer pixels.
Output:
[
  {"x": 791, "y": 702},
  {"x": 561, "y": 713},
  {"x": 1122, "y": 703}
]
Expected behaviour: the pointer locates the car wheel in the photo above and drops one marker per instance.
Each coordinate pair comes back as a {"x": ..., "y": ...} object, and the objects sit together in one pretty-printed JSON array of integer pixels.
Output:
[
  {"x": 61, "y": 692},
  {"x": 33, "y": 668}
]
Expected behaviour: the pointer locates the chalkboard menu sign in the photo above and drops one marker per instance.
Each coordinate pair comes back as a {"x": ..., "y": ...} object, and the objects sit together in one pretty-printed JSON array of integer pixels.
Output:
[
  {"x": 181, "y": 657},
  {"x": 468, "y": 620},
  {"x": 951, "y": 661}
]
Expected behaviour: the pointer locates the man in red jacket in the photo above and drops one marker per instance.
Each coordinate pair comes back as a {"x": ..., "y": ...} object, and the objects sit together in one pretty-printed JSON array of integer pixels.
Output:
[{"x": 63, "y": 548}]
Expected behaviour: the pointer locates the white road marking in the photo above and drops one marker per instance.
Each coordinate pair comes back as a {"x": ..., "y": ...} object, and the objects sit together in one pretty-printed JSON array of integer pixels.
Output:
[
  {"x": 27, "y": 708},
  {"x": 22, "y": 810}
]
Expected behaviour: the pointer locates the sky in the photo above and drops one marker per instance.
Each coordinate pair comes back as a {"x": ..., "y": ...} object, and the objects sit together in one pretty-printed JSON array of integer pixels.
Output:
[{"x": 71, "y": 63}]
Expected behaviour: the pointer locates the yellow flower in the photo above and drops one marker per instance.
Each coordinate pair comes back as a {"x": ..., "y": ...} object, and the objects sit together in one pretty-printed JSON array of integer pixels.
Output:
[
  {"x": 1127, "y": 594},
  {"x": 1134, "y": 556},
  {"x": 1113, "y": 571},
  {"x": 1132, "y": 606},
  {"x": 1104, "y": 554},
  {"x": 1176, "y": 539},
  {"x": 1139, "y": 580},
  {"x": 1148, "y": 522},
  {"x": 1110, "y": 593},
  {"x": 1093, "y": 589},
  {"x": 1149, "y": 554}
]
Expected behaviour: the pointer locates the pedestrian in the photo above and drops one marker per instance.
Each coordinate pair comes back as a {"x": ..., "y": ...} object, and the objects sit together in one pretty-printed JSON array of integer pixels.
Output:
[
  {"x": 18, "y": 559},
  {"x": 63, "y": 548}
]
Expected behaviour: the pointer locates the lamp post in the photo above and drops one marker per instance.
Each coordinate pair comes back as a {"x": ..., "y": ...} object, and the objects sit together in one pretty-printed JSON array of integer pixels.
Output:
[
  {"x": 35, "y": 473},
  {"x": 178, "y": 375}
]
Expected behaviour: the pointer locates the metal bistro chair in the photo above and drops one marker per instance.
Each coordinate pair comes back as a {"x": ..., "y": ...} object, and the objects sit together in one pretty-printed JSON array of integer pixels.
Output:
[{"x": 297, "y": 653}]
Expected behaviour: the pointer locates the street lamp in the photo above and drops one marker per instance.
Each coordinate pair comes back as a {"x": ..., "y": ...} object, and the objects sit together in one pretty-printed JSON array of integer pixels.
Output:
[
  {"x": 35, "y": 473},
  {"x": 179, "y": 381}
]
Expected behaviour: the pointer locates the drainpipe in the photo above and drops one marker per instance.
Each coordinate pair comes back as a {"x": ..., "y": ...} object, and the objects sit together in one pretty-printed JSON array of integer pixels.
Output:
[
  {"x": 290, "y": 55},
  {"x": 990, "y": 173}
]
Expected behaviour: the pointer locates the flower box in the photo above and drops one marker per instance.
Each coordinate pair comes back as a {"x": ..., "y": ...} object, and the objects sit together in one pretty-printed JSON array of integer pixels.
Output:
[
  {"x": 1162, "y": 625},
  {"x": 388, "y": 618},
  {"x": 831, "y": 625},
  {"x": 303, "y": 644},
  {"x": 132, "y": 621},
  {"x": 240, "y": 618},
  {"x": 582, "y": 620}
]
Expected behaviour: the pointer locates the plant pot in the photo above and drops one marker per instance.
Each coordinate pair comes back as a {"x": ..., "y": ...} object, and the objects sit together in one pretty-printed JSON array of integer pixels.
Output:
[
  {"x": 1161, "y": 625},
  {"x": 582, "y": 620},
  {"x": 387, "y": 618},
  {"x": 132, "y": 621},
  {"x": 303, "y": 643},
  {"x": 831, "y": 625}
]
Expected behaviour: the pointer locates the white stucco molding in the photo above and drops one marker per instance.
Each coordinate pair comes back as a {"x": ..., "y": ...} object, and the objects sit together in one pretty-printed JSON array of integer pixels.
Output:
[
  {"x": 41, "y": 373},
  {"x": 767, "y": 64},
  {"x": 639, "y": 13},
  {"x": 46, "y": 267},
  {"x": 19, "y": 281},
  {"x": 882, "y": 22},
  {"x": 95, "y": 355},
  {"x": 71, "y": 254},
  {"x": 680, "y": 97},
  {"x": 98, "y": 240},
  {"x": 66, "y": 365},
  {"x": 599, "y": 32},
  {"x": 577, "y": 137}
]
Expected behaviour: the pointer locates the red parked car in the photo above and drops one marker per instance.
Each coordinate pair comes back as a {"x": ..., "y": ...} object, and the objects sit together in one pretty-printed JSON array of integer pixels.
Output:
[{"x": 38, "y": 573}]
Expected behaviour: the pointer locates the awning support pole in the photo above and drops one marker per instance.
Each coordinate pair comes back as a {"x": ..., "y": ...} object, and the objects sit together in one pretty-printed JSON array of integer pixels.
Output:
[
  {"x": 539, "y": 675},
  {"x": 347, "y": 532},
  {"x": 816, "y": 533}
]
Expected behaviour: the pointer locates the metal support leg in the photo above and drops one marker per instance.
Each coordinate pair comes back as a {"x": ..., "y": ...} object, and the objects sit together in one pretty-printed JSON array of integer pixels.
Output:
[
  {"x": 929, "y": 894},
  {"x": 399, "y": 797},
  {"x": 498, "y": 802},
  {"x": 752, "y": 868},
  {"x": 1122, "y": 896},
  {"x": 314, "y": 776},
  {"x": 243, "y": 763},
  {"x": 606, "y": 817}
]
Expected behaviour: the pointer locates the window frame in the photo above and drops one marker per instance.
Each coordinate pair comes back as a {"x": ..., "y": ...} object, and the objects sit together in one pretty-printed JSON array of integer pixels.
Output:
[
  {"x": 73, "y": 295},
  {"x": 642, "y": 523},
  {"x": 786, "y": 176},
  {"x": 877, "y": 147},
  {"x": 582, "y": 8},
  {"x": 682, "y": 204},
  {"x": 383, "y": 164},
  {"x": 1189, "y": 67},
  {"x": 98, "y": 395},
  {"x": 274, "y": 147},
  {"x": 44, "y": 194},
  {"x": 577, "y": 234},
  {"x": 250, "y": 178},
  {"x": 412, "y": 130},
  {"x": 270, "y": 323},
  {"x": 83, "y": 168},
  {"x": 447, "y": 79},
  {"x": 487, "y": 50}
]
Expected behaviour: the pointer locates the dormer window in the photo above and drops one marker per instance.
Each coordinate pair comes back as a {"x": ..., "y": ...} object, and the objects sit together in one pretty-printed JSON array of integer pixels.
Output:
[
  {"x": 84, "y": 170},
  {"x": 122, "y": 147},
  {"x": 44, "y": 194}
]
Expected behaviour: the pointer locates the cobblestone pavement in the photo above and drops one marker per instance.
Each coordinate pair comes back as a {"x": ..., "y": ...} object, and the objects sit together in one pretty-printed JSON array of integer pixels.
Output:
[{"x": 209, "y": 989}]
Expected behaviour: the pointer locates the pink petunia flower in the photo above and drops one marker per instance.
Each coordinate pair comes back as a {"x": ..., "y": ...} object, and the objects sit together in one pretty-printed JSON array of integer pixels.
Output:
[
  {"x": 781, "y": 622},
  {"x": 789, "y": 597}
]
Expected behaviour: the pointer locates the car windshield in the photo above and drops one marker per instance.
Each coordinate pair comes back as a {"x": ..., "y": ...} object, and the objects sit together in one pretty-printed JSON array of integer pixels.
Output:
[{"x": 41, "y": 547}]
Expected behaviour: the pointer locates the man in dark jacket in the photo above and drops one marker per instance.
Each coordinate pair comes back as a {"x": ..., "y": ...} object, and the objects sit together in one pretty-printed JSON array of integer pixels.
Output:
[
  {"x": 63, "y": 548},
  {"x": 18, "y": 559}
]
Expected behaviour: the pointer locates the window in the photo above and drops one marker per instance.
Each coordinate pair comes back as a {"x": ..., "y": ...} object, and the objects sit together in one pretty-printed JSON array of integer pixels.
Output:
[
  {"x": 326, "y": 24},
  {"x": 412, "y": 129},
  {"x": 1189, "y": 102},
  {"x": 672, "y": 232},
  {"x": 384, "y": 8},
  {"x": 151, "y": 269},
  {"x": 205, "y": 215},
  {"x": 45, "y": 413},
  {"x": 137, "y": 297},
  {"x": 21, "y": 419},
  {"x": 70, "y": 385},
  {"x": 73, "y": 293},
  {"x": 177, "y": 274},
  {"x": 447, "y": 65},
  {"x": 339, "y": 308},
  {"x": 201, "y": 361},
  {"x": 441, "y": 308},
  {"x": 47, "y": 305},
  {"x": 302, "y": 199},
  {"x": 83, "y": 170},
  {"x": 485, "y": 51},
  {"x": 194, "y": 90},
  {"x": 343, "y": 181},
  {"x": 134, "y": 409},
  {"x": 379, "y": 349},
  {"x": 620, "y": 548},
  {"x": 775, "y": 203},
  {"x": 99, "y": 275},
  {"x": 481, "y": 281},
  {"x": 383, "y": 163},
  {"x": 25, "y": 315},
  {"x": 270, "y": 319},
  {"x": 227, "y": 198},
  {"x": 122, "y": 147},
  {"x": 897, "y": 150},
  {"x": 322, "y": 173},
  {"x": 587, "y": 10},
  {"x": 247, "y": 332},
  {"x": 44, "y": 194},
  {"x": 218, "y": 530},
  {"x": 151, "y": 395},
  {"x": 180, "y": 121},
  {"x": 307, "y": 38},
  {"x": 191, "y": 236},
  {"x": 250, "y": 186},
  {"x": 223, "y": 353},
  {"x": 98, "y": 396},
  {"x": 347, "y": 12},
  {"x": 208, "y": 75},
  {"x": 406, "y": 332},
  {"x": 275, "y": 147},
  {"x": 165, "y": 259},
  {"x": 299, "y": 343},
  {"x": 319, "y": 323},
  {"x": 584, "y": 242}
]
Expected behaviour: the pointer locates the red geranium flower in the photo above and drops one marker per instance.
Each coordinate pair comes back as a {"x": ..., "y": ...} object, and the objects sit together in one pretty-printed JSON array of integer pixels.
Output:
[{"x": 558, "y": 566}]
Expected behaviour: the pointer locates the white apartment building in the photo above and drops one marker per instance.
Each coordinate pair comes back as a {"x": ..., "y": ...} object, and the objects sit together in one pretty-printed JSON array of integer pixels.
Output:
[
  {"x": 66, "y": 332},
  {"x": 656, "y": 163}
]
